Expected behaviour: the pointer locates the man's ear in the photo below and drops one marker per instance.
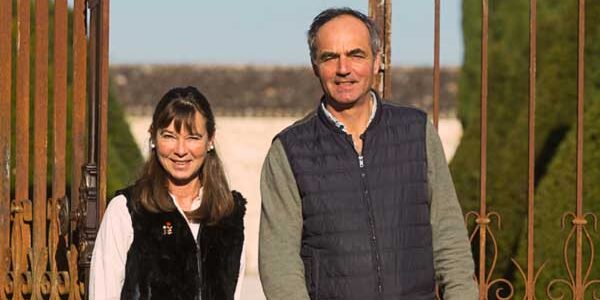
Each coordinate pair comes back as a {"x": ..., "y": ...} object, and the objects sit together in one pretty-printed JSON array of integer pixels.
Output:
[
  {"x": 377, "y": 63},
  {"x": 315, "y": 68}
]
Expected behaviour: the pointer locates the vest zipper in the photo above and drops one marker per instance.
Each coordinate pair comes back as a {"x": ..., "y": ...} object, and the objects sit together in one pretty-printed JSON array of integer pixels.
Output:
[
  {"x": 199, "y": 261},
  {"x": 367, "y": 198}
]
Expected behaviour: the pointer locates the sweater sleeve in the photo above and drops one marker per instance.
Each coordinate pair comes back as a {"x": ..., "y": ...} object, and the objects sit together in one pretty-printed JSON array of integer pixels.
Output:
[
  {"x": 281, "y": 268},
  {"x": 453, "y": 260}
]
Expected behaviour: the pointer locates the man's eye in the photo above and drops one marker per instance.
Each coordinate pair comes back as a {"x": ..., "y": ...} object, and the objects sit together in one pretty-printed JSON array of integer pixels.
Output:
[
  {"x": 327, "y": 58},
  {"x": 358, "y": 54}
]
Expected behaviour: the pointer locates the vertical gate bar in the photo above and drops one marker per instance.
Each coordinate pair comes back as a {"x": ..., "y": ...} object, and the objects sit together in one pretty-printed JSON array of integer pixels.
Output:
[
  {"x": 579, "y": 289},
  {"x": 89, "y": 186},
  {"x": 40, "y": 145},
  {"x": 22, "y": 103},
  {"x": 59, "y": 129},
  {"x": 79, "y": 103},
  {"x": 78, "y": 129},
  {"x": 92, "y": 82},
  {"x": 103, "y": 117},
  {"x": 60, "y": 137},
  {"x": 20, "y": 246},
  {"x": 436, "y": 67},
  {"x": 60, "y": 98},
  {"x": 530, "y": 285},
  {"x": 375, "y": 14},
  {"x": 483, "y": 149},
  {"x": 5, "y": 137},
  {"x": 380, "y": 12},
  {"x": 387, "y": 48}
]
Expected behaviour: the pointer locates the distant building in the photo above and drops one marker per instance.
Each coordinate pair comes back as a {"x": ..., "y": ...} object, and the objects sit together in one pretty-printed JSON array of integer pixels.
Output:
[{"x": 264, "y": 90}]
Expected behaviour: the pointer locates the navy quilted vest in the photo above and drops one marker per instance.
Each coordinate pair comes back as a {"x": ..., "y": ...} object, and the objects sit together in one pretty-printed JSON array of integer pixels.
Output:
[{"x": 367, "y": 231}]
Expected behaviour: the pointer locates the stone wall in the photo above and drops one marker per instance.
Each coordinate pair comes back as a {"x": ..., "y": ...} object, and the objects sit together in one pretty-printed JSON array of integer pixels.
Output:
[{"x": 264, "y": 90}]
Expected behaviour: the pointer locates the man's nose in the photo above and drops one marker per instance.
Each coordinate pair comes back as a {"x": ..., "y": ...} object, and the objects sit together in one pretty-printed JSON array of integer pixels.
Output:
[{"x": 342, "y": 66}]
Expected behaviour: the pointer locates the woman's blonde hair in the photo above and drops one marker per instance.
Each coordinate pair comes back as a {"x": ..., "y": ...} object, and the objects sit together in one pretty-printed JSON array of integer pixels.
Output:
[{"x": 180, "y": 105}]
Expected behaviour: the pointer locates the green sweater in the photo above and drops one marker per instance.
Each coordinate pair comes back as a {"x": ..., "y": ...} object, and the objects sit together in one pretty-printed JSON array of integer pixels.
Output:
[{"x": 281, "y": 268}]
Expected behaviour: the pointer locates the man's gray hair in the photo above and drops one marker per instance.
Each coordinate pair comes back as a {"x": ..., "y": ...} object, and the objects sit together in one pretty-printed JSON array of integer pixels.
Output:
[{"x": 332, "y": 13}]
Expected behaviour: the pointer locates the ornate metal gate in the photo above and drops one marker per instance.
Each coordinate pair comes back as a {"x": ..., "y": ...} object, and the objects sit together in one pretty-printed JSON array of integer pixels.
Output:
[
  {"x": 578, "y": 246},
  {"x": 576, "y": 278},
  {"x": 48, "y": 222}
]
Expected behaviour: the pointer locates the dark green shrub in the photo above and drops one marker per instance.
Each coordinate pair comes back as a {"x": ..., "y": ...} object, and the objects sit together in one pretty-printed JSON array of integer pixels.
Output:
[
  {"x": 508, "y": 106},
  {"x": 556, "y": 195}
]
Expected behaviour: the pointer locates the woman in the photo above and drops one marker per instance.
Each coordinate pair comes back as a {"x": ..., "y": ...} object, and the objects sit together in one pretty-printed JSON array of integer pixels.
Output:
[{"x": 178, "y": 232}]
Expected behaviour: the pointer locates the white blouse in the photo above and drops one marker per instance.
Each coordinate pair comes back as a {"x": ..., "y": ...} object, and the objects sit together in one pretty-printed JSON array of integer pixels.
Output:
[{"x": 107, "y": 271}]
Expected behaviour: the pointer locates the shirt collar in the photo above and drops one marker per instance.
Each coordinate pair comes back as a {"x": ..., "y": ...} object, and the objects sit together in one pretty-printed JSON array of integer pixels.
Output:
[
  {"x": 195, "y": 203},
  {"x": 339, "y": 123}
]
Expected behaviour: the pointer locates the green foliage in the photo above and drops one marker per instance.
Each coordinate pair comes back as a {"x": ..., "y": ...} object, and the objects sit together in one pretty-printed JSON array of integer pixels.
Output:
[
  {"x": 124, "y": 157},
  {"x": 556, "y": 194},
  {"x": 508, "y": 50}
]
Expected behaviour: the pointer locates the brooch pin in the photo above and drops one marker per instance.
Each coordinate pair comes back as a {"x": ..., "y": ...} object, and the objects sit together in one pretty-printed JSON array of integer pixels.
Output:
[{"x": 167, "y": 228}]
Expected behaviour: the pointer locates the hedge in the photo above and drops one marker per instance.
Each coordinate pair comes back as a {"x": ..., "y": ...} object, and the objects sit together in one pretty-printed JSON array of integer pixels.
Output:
[{"x": 508, "y": 106}]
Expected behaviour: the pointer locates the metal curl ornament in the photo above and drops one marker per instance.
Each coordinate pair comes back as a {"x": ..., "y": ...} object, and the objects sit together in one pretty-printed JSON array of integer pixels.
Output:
[
  {"x": 483, "y": 228},
  {"x": 576, "y": 285}
]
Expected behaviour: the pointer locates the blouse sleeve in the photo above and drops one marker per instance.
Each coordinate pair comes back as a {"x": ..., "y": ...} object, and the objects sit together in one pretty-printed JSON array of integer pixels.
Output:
[{"x": 107, "y": 271}]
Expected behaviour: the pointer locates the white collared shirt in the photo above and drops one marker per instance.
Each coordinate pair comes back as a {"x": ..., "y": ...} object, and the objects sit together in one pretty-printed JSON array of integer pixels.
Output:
[
  {"x": 107, "y": 271},
  {"x": 339, "y": 123}
]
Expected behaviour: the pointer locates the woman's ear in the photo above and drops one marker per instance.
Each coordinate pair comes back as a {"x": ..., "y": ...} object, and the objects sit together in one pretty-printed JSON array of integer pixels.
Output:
[
  {"x": 150, "y": 139},
  {"x": 211, "y": 144}
]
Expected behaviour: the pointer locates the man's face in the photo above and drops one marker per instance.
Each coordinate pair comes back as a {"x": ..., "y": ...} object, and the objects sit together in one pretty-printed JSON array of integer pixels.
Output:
[{"x": 344, "y": 61}]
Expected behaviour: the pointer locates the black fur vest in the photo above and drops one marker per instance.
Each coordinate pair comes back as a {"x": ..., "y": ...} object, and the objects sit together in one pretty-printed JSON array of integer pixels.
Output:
[{"x": 164, "y": 259}]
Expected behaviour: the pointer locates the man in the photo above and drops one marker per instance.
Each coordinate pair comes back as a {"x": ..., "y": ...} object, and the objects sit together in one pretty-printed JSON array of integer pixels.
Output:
[{"x": 357, "y": 199}]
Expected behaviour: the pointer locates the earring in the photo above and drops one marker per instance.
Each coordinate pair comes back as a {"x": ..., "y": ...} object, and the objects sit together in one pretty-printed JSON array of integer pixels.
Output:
[
  {"x": 152, "y": 146},
  {"x": 211, "y": 147}
]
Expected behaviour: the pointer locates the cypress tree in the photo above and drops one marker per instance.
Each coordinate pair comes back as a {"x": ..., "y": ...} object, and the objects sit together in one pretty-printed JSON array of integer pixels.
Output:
[{"x": 508, "y": 107}]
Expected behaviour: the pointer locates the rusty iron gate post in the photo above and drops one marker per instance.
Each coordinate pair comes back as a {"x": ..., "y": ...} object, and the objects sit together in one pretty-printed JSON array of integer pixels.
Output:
[
  {"x": 578, "y": 280},
  {"x": 5, "y": 137},
  {"x": 484, "y": 218},
  {"x": 93, "y": 184},
  {"x": 381, "y": 13}
]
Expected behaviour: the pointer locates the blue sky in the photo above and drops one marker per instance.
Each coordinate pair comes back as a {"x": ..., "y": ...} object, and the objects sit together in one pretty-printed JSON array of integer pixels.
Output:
[{"x": 269, "y": 32}]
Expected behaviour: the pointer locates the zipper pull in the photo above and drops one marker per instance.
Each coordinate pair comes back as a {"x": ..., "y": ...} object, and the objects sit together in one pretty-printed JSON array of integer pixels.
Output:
[{"x": 361, "y": 162}]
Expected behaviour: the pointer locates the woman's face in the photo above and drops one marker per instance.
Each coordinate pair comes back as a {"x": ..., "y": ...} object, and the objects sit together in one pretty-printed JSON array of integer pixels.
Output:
[{"x": 182, "y": 153}]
